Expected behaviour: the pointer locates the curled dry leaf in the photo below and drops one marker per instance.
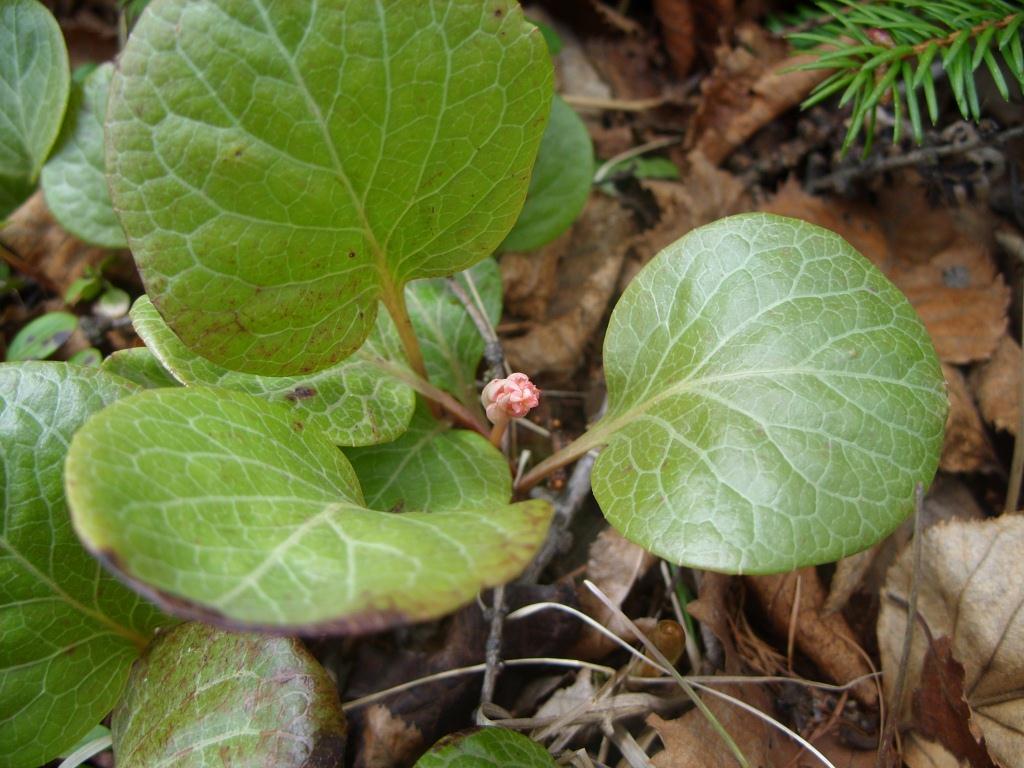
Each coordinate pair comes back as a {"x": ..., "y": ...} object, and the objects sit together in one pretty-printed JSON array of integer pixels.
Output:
[
  {"x": 968, "y": 591},
  {"x": 711, "y": 609},
  {"x": 586, "y": 278},
  {"x": 996, "y": 385},
  {"x": 750, "y": 85},
  {"x": 825, "y": 638},
  {"x": 388, "y": 740},
  {"x": 848, "y": 577},
  {"x": 966, "y": 447},
  {"x": 678, "y": 32}
]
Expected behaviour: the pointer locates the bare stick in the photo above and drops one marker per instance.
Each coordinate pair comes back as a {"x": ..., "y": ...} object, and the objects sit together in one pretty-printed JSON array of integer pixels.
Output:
[{"x": 1014, "y": 244}]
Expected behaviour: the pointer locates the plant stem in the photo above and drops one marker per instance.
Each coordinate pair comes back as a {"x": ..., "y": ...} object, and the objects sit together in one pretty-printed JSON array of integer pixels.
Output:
[
  {"x": 570, "y": 453},
  {"x": 459, "y": 413},
  {"x": 394, "y": 299}
]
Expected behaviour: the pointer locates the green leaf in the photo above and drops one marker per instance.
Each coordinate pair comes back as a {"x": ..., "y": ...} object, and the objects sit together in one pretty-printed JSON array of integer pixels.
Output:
[
  {"x": 202, "y": 697},
  {"x": 486, "y": 748},
  {"x": 95, "y": 741},
  {"x": 90, "y": 356},
  {"x": 772, "y": 400},
  {"x": 42, "y": 337},
  {"x": 70, "y": 630},
  {"x": 432, "y": 467},
  {"x": 140, "y": 366},
  {"x": 560, "y": 183},
  {"x": 451, "y": 343},
  {"x": 85, "y": 288},
  {"x": 74, "y": 180},
  {"x": 34, "y": 82},
  {"x": 223, "y": 506},
  {"x": 279, "y": 167},
  {"x": 358, "y": 402},
  {"x": 113, "y": 303}
]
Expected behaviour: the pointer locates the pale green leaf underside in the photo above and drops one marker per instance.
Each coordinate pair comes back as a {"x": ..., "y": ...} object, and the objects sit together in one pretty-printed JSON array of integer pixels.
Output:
[
  {"x": 221, "y": 505},
  {"x": 34, "y": 82},
  {"x": 139, "y": 366},
  {"x": 74, "y": 179},
  {"x": 773, "y": 400},
  {"x": 432, "y": 467},
  {"x": 487, "y": 748},
  {"x": 278, "y": 168},
  {"x": 451, "y": 343},
  {"x": 357, "y": 402},
  {"x": 201, "y": 697},
  {"x": 70, "y": 630},
  {"x": 560, "y": 183}
]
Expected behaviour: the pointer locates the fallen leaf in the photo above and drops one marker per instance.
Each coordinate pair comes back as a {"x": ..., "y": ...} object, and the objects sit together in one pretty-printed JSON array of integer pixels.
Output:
[
  {"x": 966, "y": 447},
  {"x": 956, "y": 288},
  {"x": 712, "y": 608},
  {"x": 996, "y": 386},
  {"x": 847, "y": 579},
  {"x": 969, "y": 590},
  {"x": 631, "y": 65},
  {"x": 679, "y": 32},
  {"x": 586, "y": 278},
  {"x": 824, "y": 637},
  {"x": 529, "y": 279},
  {"x": 941, "y": 712},
  {"x": 691, "y": 740},
  {"x": 387, "y": 740},
  {"x": 614, "y": 565},
  {"x": 37, "y": 246},
  {"x": 750, "y": 85},
  {"x": 921, "y": 753}
]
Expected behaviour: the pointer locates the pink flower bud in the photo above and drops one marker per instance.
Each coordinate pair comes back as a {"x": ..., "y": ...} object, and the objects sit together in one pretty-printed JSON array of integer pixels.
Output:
[{"x": 510, "y": 398}]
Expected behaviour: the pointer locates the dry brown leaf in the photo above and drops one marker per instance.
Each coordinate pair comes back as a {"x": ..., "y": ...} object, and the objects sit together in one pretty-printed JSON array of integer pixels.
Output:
[
  {"x": 388, "y": 740},
  {"x": 36, "y": 246},
  {"x": 528, "y": 280},
  {"x": 614, "y": 564},
  {"x": 941, "y": 712},
  {"x": 631, "y": 65},
  {"x": 956, "y": 288},
  {"x": 996, "y": 386},
  {"x": 969, "y": 590},
  {"x": 711, "y": 608},
  {"x": 705, "y": 194},
  {"x": 679, "y": 32},
  {"x": 849, "y": 575},
  {"x": 692, "y": 741},
  {"x": 966, "y": 447},
  {"x": 921, "y": 753},
  {"x": 587, "y": 276},
  {"x": 825, "y": 638},
  {"x": 748, "y": 88}
]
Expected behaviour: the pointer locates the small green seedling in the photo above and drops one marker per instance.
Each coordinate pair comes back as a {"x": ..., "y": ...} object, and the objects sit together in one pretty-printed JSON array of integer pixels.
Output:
[{"x": 302, "y": 448}]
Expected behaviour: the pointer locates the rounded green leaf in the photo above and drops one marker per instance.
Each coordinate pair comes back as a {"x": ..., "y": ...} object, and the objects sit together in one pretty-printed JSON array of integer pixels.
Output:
[
  {"x": 70, "y": 630},
  {"x": 560, "y": 183},
  {"x": 223, "y": 506},
  {"x": 432, "y": 467},
  {"x": 202, "y": 697},
  {"x": 74, "y": 179},
  {"x": 451, "y": 343},
  {"x": 486, "y": 748},
  {"x": 90, "y": 356},
  {"x": 34, "y": 83},
  {"x": 42, "y": 337},
  {"x": 772, "y": 400},
  {"x": 278, "y": 168},
  {"x": 140, "y": 366},
  {"x": 358, "y": 402}
]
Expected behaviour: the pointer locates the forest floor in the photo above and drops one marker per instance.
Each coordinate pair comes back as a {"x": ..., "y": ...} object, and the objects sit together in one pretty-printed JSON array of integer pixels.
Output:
[{"x": 822, "y": 650}]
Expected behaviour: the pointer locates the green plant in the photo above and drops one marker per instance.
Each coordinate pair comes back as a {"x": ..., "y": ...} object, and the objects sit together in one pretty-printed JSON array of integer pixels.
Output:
[
  {"x": 301, "y": 447},
  {"x": 886, "y": 52}
]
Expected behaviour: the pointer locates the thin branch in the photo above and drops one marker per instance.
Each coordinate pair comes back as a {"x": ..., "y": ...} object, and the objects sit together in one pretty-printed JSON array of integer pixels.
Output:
[
  {"x": 1014, "y": 244},
  {"x": 842, "y": 177}
]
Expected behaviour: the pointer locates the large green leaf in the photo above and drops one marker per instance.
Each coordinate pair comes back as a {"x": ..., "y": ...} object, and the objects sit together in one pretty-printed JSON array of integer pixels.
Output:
[
  {"x": 451, "y": 343},
  {"x": 560, "y": 183},
  {"x": 224, "y": 506},
  {"x": 139, "y": 366},
  {"x": 486, "y": 748},
  {"x": 70, "y": 631},
  {"x": 357, "y": 402},
  {"x": 279, "y": 167},
  {"x": 432, "y": 467},
  {"x": 200, "y": 697},
  {"x": 772, "y": 400},
  {"x": 74, "y": 180},
  {"x": 34, "y": 82}
]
